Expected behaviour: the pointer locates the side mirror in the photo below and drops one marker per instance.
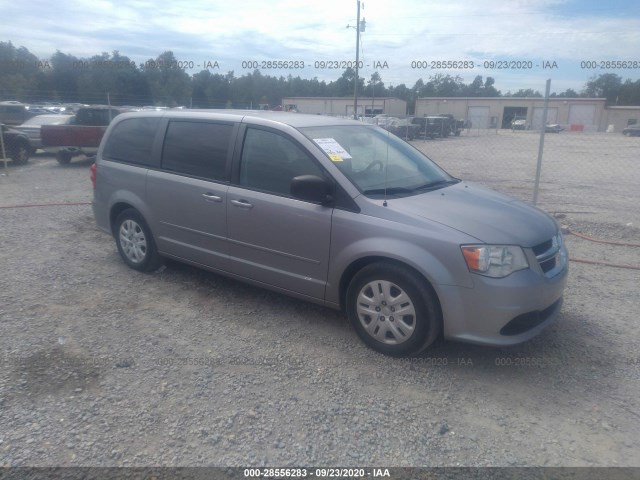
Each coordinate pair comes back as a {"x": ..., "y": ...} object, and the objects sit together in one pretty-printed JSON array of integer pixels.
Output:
[{"x": 311, "y": 188}]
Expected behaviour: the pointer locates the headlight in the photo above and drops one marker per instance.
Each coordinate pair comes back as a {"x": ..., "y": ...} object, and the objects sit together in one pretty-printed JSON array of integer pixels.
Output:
[{"x": 494, "y": 260}]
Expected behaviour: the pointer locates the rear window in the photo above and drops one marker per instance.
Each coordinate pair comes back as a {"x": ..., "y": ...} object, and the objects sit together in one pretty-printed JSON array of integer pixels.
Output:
[
  {"x": 99, "y": 117},
  {"x": 131, "y": 141},
  {"x": 197, "y": 148}
]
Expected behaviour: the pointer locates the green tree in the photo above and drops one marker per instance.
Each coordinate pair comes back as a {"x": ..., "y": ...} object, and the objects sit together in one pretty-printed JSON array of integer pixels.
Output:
[
  {"x": 475, "y": 88},
  {"x": 64, "y": 77},
  {"x": 169, "y": 84},
  {"x": 375, "y": 87},
  {"x": 344, "y": 86},
  {"x": 489, "y": 89},
  {"x": 629, "y": 93},
  {"x": 607, "y": 85},
  {"x": 199, "y": 84},
  {"x": 20, "y": 77},
  {"x": 527, "y": 92},
  {"x": 568, "y": 93}
]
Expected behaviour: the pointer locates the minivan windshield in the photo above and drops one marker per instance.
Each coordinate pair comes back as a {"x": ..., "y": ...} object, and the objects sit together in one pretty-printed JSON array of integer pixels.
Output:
[{"x": 376, "y": 161}]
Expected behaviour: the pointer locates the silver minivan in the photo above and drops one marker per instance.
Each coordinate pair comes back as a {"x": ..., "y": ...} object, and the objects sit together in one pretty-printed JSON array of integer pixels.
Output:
[{"x": 333, "y": 211}]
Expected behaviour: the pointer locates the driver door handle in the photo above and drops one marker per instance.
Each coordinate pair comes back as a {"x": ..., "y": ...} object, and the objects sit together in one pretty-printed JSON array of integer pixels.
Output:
[{"x": 241, "y": 203}]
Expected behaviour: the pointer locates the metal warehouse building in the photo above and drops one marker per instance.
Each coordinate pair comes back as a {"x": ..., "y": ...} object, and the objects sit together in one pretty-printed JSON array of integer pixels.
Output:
[
  {"x": 577, "y": 114},
  {"x": 343, "y": 106},
  {"x": 583, "y": 114}
]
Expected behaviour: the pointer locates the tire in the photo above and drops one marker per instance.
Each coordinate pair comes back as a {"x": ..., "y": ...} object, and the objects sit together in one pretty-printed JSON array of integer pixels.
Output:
[
  {"x": 21, "y": 154},
  {"x": 63, "y": 158},
  {"x": 135, "y": 242},
  {"x": 391, "y": 334}
]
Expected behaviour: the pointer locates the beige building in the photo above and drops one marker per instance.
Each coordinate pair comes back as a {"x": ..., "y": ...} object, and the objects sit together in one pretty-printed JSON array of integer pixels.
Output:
[
  {"x": 618, "y": 118},
  {"x": 580, "y": 114},
  {"x": 343, "y": 106}
]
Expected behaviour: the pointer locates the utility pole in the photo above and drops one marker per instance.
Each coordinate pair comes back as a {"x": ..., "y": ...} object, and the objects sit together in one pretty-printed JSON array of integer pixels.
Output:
[
  {"x": 355, "y": 88},
  {"x": 541, "y": 144},
  {"x": 373, "y": 96}
]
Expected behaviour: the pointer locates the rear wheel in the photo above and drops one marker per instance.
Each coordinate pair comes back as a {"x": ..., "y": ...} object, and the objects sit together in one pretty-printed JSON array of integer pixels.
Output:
[
  {"x": 63, "y": 157},
  {"x": 135, "y": 242},
  {"x": 21, "y": 155},
  {"x": 393, "y": 310}
]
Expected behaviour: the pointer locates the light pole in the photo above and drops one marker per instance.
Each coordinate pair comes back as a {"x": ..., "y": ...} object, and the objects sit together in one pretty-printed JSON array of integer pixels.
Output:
[{"x": 355, "y": 87}]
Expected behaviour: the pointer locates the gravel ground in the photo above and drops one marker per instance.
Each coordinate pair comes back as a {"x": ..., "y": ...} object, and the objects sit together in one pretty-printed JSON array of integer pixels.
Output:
[{"x": 105, "y": 366}]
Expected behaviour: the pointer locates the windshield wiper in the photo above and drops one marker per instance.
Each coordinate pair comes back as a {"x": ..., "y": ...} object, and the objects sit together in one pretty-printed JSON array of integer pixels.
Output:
[
  {"x": 435, "y": 185},
  {"x": 388, "y": 191},
  {"x": 405, "y": 190}
]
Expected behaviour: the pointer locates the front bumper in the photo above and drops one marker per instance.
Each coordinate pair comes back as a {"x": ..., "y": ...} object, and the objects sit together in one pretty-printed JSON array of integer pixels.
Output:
[{"x": 502, "y": 311}]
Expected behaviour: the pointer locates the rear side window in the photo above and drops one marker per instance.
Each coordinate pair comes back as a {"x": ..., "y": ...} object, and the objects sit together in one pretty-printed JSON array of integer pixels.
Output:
[
  {"x": 197, "y": 148},
  {"x": 131, "y": 141}
]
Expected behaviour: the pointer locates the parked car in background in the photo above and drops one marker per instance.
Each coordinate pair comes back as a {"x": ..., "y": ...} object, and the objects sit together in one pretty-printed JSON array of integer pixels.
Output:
[
  {"x": 553, "y": 128},
  {"x": 382, "y": 120},
  {"x": 439, "y": 125},
  {"x": 82, "y": 135},
  {"x": 519, "y": 124},
  {"x": 16, "y": 145},
  {"x": 72, "y": 108},
  {"x": 426, "y": 128},
  {"x": 631, "y": 131},
  {"x": 38, "y": 110},
  {"x": 451, "y": 125},
  {"x": 31, "y": 128},
  {"x": 403, "y": 128},
  {"x": 14, "y": 113},
  {"x": 47, "y": 108}
]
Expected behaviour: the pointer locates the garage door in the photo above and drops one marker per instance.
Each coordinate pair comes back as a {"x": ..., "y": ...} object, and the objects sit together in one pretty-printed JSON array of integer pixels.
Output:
[
  {"x": 479, "y": 117},
  {"x": 552, "y": 116},
  {"x": 583, "y": 115}
]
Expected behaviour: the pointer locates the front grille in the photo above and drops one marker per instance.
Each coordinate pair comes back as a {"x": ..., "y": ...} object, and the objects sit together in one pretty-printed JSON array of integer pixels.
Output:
[
  {"x": 550, "y": 256},
  {"x": 548, "y": 264},
  {"x": 543, "y": 247}
]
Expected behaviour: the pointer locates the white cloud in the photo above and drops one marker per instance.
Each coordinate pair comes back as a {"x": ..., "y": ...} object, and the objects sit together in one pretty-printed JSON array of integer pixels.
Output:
[{"x": 397, "y": 33}]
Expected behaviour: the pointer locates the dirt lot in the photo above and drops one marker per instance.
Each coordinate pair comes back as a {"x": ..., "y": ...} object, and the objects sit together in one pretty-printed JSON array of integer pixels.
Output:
[{"x": 105, "y": 366}]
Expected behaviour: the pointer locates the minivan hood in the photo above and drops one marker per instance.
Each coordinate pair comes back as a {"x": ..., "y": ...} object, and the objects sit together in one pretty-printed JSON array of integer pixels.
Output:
[{"x": 489, "y": 216}]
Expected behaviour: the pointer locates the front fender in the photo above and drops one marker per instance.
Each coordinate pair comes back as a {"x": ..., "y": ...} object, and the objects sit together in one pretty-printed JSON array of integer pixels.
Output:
[{"x": 433, "y": 252}]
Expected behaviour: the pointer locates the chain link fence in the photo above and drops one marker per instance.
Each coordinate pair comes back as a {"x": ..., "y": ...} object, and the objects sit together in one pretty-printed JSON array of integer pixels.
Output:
[{"x": 594, "y": 175}]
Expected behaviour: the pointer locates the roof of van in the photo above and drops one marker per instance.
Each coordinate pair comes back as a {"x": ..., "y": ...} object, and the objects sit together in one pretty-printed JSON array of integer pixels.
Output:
[{"x": 293, "y": 119}]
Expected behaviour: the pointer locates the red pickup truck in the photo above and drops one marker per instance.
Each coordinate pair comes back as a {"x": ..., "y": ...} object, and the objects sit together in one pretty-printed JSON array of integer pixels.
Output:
[{"x": 81, "y": 136}]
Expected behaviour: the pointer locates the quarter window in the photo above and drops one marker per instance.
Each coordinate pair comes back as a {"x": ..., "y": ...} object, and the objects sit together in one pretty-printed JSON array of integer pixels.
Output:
[
  {"x": 270, "y": 161},
  {"x": 131, "y": 141},
  {"x": 197, "y": 148}
]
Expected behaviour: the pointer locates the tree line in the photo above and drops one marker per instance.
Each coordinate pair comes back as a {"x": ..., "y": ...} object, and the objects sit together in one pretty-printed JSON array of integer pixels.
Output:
[{"x": 164, "y": 81}]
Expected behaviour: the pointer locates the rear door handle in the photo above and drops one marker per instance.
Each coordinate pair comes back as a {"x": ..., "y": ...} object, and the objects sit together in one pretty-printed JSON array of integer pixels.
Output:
[
  {"x": 210, "y": 197},
  {"x": 241, "y": 203}
]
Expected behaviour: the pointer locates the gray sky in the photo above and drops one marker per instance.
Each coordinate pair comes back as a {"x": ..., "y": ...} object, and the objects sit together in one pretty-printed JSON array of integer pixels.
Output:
[{"x": 398, "y": 34}]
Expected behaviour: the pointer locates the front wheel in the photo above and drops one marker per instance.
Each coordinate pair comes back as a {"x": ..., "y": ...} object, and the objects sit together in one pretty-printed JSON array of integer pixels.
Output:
[
  {"x": 135, "y": 242},
  {"x": 393, "y": 310}
]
